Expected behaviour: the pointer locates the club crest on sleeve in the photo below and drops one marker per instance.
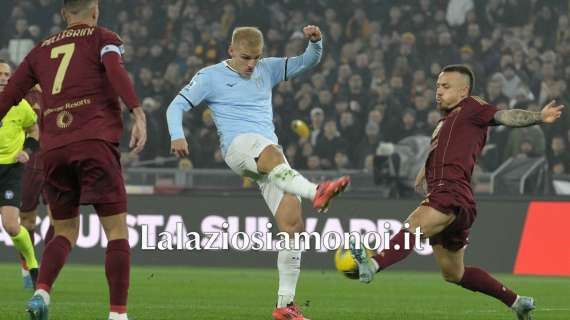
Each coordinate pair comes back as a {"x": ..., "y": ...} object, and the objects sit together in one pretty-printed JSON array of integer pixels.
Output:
[{"x": 9, "y": 195}]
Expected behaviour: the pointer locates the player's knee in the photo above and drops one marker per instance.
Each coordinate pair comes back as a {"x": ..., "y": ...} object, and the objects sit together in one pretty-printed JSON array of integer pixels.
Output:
[
  {"x": 413, "y": 222},
  {"x": 451, "y": 275},
  {"x": 10, "y": 222},
  {"x": 269, "y": 158},
  {"x": 115, "y": 226},
  {"x": 11, "y": 227},
  {"x": 69, "y": 235},
  {"x": 117, "y": 233},
  {"x": 28, "y": 221},
  {"x": 67, "y": 229}
]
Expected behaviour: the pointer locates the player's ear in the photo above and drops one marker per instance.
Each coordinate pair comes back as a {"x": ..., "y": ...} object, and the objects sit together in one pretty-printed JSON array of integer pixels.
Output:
[
  {"x": 63, "y": 14},
  {"x": 231, "y": 51},
  {"x": 94, "y": 12}
]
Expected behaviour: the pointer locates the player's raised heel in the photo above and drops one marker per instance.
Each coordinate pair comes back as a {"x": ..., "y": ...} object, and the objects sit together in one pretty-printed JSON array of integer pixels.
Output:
[
  {"x": 290, "y": 312},
  {"x": 37, "y": 308},
  {"x": 366, "y": 268},
  {"x": 522, "y": 307}
]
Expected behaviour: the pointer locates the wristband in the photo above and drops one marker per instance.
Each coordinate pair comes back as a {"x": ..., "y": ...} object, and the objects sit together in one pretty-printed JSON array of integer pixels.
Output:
[{"x": 31, "y": 145}]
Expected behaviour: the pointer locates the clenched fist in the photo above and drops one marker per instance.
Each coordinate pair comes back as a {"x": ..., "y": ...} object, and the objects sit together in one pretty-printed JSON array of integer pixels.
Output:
[{"x": 313, "y": 33}]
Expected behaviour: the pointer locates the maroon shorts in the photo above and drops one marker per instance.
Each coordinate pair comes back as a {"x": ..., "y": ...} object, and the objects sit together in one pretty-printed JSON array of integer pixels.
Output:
[
  {"x": 84, "y": 173},
  {"x": 455, "y": 236},
  {"x": 32, "y": 184}
]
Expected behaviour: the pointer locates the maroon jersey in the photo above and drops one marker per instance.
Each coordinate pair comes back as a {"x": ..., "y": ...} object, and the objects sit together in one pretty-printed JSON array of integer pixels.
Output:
[
  {"x": 456, "y": 143},
  {"x": 34, "y": 98},
  {"x": 79, "y": 100}
]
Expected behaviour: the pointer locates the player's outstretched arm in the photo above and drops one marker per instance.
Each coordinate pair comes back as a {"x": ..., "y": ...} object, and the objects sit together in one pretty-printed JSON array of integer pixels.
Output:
[
  {"x": 310, "y": 58},
  {"x": 521, "y": 118},
  {"x": 20, "y": 83}
]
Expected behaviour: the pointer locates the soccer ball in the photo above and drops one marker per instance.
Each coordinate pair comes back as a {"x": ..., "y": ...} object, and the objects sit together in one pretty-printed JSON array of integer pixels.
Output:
[
  {"x": 344, "y": 262},
  {"x": 301, "y": 128}
]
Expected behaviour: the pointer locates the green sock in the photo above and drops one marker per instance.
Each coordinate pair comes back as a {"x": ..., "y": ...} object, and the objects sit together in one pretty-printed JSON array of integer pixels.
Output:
[{"x": 23, "y": 243}]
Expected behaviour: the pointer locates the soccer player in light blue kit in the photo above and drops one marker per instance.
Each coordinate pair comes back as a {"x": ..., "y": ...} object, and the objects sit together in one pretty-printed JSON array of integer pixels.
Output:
[{"x": 238, "y": 91}]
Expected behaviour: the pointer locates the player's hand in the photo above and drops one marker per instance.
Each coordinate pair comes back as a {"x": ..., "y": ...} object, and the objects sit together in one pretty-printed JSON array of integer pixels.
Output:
[
  {"x": 138, "y": 132},
  {"x": 22, "y": 157},
  {"x": 313, "y": 33},
  {"x": 551, "y": 112},
  {"x": 179, "y": 148},
  {"x": 420, "y": 184}
]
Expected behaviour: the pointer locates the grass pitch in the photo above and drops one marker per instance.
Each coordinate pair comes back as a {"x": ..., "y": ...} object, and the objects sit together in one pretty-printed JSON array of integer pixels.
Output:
[{"x": 229, "y": 293}]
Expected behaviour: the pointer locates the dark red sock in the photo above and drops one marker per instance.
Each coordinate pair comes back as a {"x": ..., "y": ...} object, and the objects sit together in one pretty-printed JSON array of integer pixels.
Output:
[
  {"x": 49, "y": 234},
  {"x": 53, "y": 259},
  {"x": 390, "y": 256},
  {"x": 476, "y": 279},
  {"x": 117, "y": 270}
]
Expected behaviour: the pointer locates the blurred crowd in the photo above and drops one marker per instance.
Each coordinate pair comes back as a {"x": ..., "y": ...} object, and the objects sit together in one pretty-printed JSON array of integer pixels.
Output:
[{"x": 374, "y": 84}]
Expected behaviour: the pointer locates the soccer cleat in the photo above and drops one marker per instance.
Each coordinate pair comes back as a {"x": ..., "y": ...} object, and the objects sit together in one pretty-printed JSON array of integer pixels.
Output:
[
  {"x": 290, "y": 312},
  {"x": 28, "y": 282},
  {"x": 328, "y": 190},
  {"x": 522, "y": 307},
  {"x": 366, "y": 268},
  {"x": 37, "y": 308}
]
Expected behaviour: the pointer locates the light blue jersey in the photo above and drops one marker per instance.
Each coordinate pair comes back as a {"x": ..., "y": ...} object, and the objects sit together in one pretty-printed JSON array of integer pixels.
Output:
[{"x": 239, "y": 105}]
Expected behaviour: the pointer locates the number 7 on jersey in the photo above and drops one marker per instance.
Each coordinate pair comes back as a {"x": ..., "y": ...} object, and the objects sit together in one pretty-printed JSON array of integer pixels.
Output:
[{"x": 67, "y": 51}]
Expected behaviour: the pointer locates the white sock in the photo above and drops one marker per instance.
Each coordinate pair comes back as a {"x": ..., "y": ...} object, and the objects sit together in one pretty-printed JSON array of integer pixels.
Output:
[
  {"x": 44, "y": 294},
  {"x": 289, "y": 265},
  {"x": 291, "y": 181},
  {"x": 25, "y": 273},
  {"x": 117, "y": 316},
  {"x": 375, "y": 263}
]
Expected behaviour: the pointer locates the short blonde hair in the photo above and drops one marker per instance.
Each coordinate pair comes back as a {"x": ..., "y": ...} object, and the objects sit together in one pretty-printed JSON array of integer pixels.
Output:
[{"x": 247, "y": 36}]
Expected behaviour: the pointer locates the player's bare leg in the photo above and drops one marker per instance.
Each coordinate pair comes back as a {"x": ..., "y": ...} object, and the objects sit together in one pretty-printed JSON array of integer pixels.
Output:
[
  {"x": 53, "y": 260},
  {"x": 475, "y": 279},
  {"x": 272, "y": 162},
  {"x": 429, "y": 221},
  {"x": 28, "y": 221},
  {"x": 21, "y": 239},
  {"x": 50, "y": 231},
  {"x": 117, "y": 264},
  {"x": 290, "y": 220}
]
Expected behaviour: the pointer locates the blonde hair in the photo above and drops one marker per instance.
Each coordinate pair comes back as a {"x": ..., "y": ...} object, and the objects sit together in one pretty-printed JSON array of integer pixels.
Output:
[{"x": 250, "y": 37}]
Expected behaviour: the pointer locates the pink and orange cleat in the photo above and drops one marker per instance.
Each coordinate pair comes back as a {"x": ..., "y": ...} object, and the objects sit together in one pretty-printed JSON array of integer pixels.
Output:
[
  {"x": 290, "y": 312},
  {"x": 328, "y": 190}
]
